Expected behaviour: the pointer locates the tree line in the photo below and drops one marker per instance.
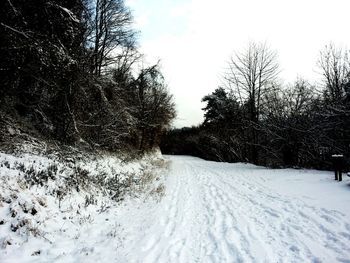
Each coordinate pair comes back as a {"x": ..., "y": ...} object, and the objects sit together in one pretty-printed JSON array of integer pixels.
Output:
[
  {"x": 254, "y": 117},
  {"x": 71, "y": 68}
]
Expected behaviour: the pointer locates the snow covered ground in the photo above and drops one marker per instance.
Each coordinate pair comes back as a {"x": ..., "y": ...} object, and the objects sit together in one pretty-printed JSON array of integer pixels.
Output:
[
  {"x": 219, "y": 212},
  {"x": 211, "y": 212},
  {"x": 65, "y": 210}
]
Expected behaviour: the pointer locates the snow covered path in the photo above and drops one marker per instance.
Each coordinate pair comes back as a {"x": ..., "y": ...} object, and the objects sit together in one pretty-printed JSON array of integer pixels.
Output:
[{"x": 219, "y": 212}]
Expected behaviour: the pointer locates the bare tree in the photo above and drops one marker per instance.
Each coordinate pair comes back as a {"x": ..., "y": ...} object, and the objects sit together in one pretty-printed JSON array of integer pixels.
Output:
[
  {"x": 154, "y": 106},
  {"x": 288, "y": 122},
  {"x": 111, "y": 37},
  {"x": 334, "y": 63},
  {"x": 298, "y": 98},
  {"x": 250, "y": 76},
  {"x": 335, "y": 68}
]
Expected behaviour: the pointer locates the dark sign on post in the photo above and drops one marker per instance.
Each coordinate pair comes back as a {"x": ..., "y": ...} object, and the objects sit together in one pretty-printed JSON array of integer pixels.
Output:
[{"x": 338, "y": 165}]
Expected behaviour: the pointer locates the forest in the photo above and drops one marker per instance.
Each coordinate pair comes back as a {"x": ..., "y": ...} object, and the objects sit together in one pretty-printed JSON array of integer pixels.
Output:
[
  {"x": 254, "y": 117},
  {"x": 71, "y": 72}
]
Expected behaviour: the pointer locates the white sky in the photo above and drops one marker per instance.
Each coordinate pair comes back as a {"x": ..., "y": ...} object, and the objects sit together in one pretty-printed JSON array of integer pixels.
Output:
[{"x": 194, "y": 39}]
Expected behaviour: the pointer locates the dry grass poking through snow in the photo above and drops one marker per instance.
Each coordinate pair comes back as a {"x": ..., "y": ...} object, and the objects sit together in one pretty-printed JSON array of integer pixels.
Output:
[
  {"x": 152, "y": 182},
  {"x": 46, "y": 200}
]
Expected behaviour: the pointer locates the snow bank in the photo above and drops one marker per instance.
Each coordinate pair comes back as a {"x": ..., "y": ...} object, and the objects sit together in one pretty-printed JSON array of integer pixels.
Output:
[{"x": 58, "y": 211}]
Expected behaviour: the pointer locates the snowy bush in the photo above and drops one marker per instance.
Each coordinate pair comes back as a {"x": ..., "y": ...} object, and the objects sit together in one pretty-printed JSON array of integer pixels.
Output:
[{"x": 43, "y": 198}]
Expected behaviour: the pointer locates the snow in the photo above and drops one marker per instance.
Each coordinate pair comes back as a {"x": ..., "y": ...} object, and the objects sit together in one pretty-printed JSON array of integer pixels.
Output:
[
  {"x": 70, "y": 14},
  {"x": 210, "y": 212},
  {"x": 219, "y": 212},
  {"x": 337, "y": 155},
  {"x": 61, "y": 223}
]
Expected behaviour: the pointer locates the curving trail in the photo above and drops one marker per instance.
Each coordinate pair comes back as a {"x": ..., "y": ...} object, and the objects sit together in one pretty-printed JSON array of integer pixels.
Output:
[{"x": 217, "y": 212}]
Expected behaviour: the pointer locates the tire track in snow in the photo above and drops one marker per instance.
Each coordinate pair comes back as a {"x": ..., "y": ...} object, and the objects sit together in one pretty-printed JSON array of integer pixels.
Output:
[
  {"x": 300, "y": 220},
  {"x": 214, "y": 214},
  {"x": 176, "y": 237}
]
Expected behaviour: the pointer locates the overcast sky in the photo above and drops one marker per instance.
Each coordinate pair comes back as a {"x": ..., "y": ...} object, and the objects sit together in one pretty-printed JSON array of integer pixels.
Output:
[{"x": 194, "y": 39}]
